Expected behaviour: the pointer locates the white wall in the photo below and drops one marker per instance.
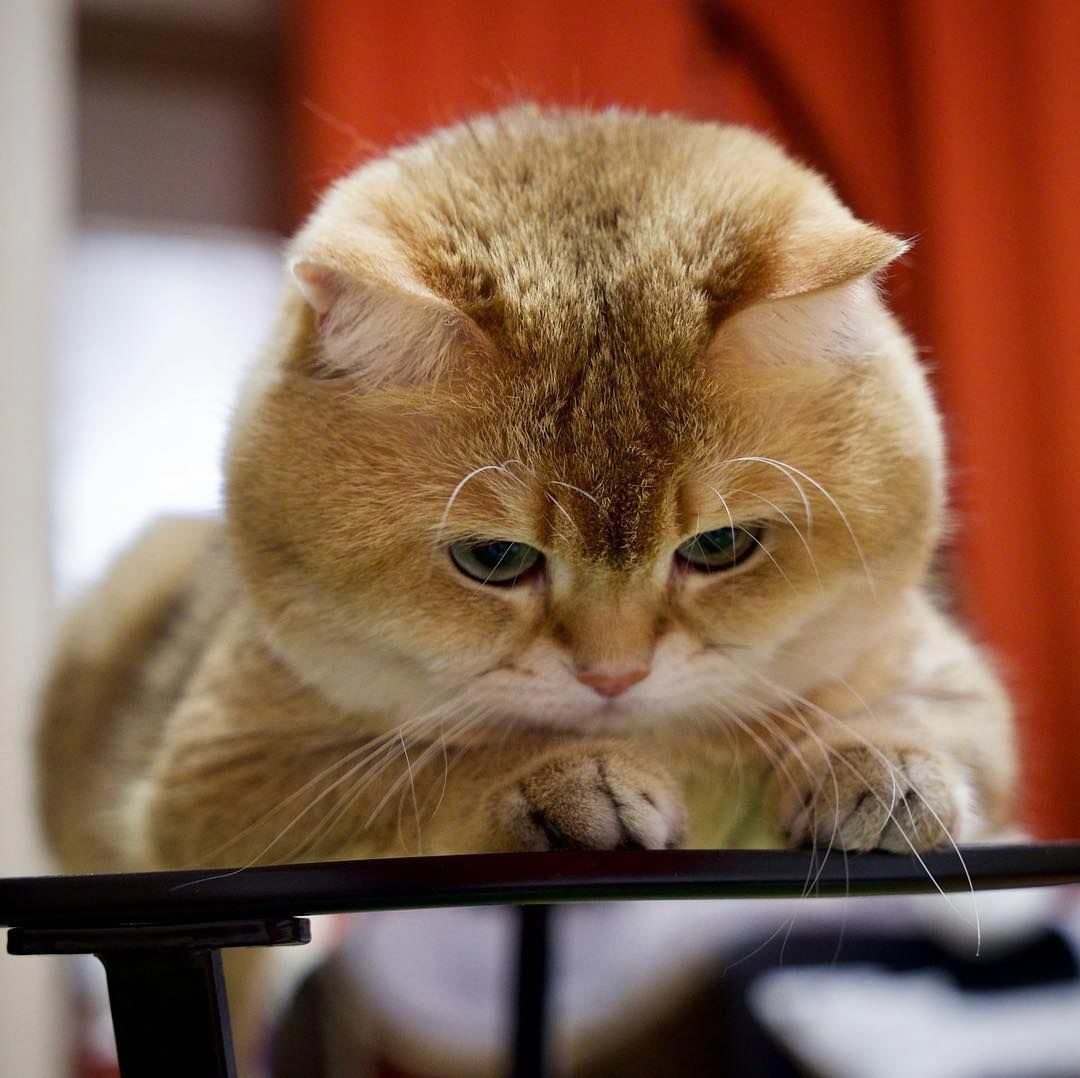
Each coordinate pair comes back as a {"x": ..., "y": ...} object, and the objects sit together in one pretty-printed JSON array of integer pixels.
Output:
[
  {"x": 34, "y": 215},
  {"x": 154, "y": 333},
  {"x": 118, "y": 355}
]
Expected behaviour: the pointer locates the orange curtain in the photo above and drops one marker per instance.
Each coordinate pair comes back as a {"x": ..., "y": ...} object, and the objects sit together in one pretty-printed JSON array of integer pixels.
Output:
[
  {"x": 368, "y": 74},
  {"x": 954, "y": 121}
]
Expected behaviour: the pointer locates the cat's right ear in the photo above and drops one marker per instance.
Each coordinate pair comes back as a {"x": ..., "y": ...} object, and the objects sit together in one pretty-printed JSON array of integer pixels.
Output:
[{"x": 377, "y": 328}]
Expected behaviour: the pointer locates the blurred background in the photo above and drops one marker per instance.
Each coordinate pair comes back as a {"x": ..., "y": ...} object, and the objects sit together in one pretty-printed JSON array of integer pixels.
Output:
[{"x": 154, "y": 153}]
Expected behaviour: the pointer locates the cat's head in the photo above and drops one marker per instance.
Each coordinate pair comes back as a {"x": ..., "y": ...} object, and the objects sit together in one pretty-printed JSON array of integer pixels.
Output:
[{"x": 586, "y": 420}]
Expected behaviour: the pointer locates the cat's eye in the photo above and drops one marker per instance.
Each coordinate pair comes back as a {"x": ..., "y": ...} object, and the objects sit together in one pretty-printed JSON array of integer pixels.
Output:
[
  {"x": 495, "y": 561},
  {"x": 721, "y": 549}
]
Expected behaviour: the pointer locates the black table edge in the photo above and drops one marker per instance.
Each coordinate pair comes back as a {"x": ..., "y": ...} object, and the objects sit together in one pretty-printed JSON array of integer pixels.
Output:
[{"x": 495, "y": 879}]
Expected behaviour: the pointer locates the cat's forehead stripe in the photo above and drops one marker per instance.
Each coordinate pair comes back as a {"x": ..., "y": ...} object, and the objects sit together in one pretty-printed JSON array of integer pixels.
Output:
[{"x": 598, "y": 259}]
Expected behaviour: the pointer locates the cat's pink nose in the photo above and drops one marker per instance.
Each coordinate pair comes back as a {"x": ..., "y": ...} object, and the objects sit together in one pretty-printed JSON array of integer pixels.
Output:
[{"x": 608, "y": 684}]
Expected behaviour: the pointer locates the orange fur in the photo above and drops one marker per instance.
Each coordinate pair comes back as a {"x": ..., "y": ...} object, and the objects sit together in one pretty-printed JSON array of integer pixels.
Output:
[{"x": 599, "y": 334}]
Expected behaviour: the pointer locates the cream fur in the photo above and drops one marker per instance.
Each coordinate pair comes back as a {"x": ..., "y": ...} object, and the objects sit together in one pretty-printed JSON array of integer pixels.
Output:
[
  {"x": 599, "y": 334},
  {"x": 436, "y": 305},
  {"x": 833, "y": 325}
]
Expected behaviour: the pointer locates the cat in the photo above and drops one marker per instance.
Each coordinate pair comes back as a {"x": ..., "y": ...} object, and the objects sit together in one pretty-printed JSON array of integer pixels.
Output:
[{"x": 584, "y": 497}]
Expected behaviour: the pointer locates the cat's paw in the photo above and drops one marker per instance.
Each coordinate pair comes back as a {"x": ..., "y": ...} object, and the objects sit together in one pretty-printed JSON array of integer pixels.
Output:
[
  {"x": 855, "y": 796},
  {"x": 588, "y": 799}
]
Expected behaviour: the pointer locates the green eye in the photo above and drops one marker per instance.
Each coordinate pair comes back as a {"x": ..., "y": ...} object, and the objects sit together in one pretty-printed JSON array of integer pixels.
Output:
[
  {"x": 720, "y": 549},
  {"x": 495, "y": 561}
]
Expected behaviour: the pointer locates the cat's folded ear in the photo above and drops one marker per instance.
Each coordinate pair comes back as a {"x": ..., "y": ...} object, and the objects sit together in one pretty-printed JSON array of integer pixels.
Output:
[
  {"x": 376, "y": 325},
  {"x": 819, "y": 301},
  {"x": 829, "y": 250}
]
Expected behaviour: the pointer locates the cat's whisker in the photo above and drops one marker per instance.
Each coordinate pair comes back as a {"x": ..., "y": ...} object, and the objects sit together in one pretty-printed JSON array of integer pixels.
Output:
[
  {"x": 521, "y": 464},
  {"x": 800, "y": 490},
  {"x": 324, "y": 824},
  {"x": 366, "y": 746},
  {"x": 412, "y": 789},
  {"x": 794, "y": 527},
  {"x": 446, "y": 769},
  {"x": 889, "y": 807},
  {"x": 570, "y": 486},
  {"x": 256, "y": 857},
  {"x": 913, "y": 786},
  {"x": 465, "y": 724},
  {"x": 766, "y": 750},
  {"x": 891, "y": 769},
  {"x": 766, "y": 713},
  {"x": 384, "y": 749},
  {"x": 393, "y": 788},
  {"x": 727, "y": 509},
  {"x": 363, "y": 775},
  {"x": 558, "y": 505},
  {"x": 429, "y": 752},
  {"x": 361, "y": 779},
  {"x": 371, "y": 750},
  {"x": 787, "y": 925},
  {"x": 795, "y": 698},
  {"x": 761, "y": 546},
  {"x": 460, "y": 487},
  {"x": 790, "y": 468},
  {"x": 827, "y": 751}
]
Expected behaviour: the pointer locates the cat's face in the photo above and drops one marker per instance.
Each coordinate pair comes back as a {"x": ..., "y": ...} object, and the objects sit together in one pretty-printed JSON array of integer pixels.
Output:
[{"x": 573, "y": 453}]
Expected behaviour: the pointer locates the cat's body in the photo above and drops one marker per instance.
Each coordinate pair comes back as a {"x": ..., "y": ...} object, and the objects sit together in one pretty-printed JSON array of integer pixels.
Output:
[{"x": 596, "y": 336}]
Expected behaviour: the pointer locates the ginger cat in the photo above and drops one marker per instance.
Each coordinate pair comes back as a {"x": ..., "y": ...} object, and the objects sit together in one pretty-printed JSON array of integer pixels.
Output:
[{"x": 584, "y": 497}]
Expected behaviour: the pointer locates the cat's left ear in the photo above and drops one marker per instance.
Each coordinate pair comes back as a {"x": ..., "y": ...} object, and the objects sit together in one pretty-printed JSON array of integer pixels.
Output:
[
  {"x": 819, "y": 302},
  {"x": 828, "y": 250}
]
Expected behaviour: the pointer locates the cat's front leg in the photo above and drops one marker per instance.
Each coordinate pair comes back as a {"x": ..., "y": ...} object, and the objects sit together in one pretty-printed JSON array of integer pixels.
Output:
[
  {"x": 914, "y": 750},
  {"x": 592, "y": 796},
  {"x": 855, "y": 791}
]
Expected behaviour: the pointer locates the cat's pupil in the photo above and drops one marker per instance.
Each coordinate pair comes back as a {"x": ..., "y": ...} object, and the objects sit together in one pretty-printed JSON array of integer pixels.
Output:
[
  {"x": 495, "y": 561},
  {"x": 492, "y": 555},
  {"x": 717, "y": 541}
]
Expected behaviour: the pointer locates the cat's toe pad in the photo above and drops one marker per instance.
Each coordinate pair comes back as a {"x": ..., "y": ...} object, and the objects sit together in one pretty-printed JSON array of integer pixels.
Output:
[
  {"x": 589, "y": 801},
  {"x": 861, "y": 797}
]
